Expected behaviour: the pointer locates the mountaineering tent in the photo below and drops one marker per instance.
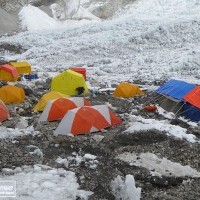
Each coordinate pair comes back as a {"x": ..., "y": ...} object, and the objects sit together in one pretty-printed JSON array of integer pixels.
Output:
[
  {"x": 191, "y": 109},
  {"x": 4, "y": 113},
  {"x": 67, "y": 82},
  {"x": 22, "y": 67},
  {"x": 8, "y": 73},
  {"x": 127, "y": 90},
  {"x": 87, "y": 119},
  {"x": 56, "y": 109},
  {"x": 45, "y": 98},
  {"x": 12, "y": 94},
  {"x": 171, "y": 95}
]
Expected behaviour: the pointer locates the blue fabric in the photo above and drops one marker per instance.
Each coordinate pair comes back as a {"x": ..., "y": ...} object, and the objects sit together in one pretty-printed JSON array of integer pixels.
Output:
[
  {"x": 191, "y": 112},
  {"x": 175, "y": 89}
]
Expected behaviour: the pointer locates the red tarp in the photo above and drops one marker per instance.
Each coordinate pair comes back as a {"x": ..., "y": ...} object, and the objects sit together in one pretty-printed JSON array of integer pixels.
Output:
[{"x": 193, "y": 97}]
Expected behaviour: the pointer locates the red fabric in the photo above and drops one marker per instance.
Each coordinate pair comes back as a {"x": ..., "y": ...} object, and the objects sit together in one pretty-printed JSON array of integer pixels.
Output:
[
  {"x": 193, "y": 97},
  {"x": 80, "y": 71},
  {"x": 150, "y": 108},
  {"x": 59, "y": 108},
  {"x": 10, "y": 69},
  {"x": 4, "y": 113},
  {"x": 86, "y": 118},
  {"x": 114, "y": 119}
]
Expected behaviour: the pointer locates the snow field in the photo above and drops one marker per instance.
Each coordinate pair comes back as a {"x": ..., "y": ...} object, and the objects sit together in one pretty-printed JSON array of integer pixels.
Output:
[{"x": 128, "y": 47}]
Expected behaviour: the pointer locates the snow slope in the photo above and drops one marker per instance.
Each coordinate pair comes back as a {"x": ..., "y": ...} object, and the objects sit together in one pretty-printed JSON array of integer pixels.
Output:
[
  {"x": 34, "y": 19},
  {"x": 149, "y": 40}
]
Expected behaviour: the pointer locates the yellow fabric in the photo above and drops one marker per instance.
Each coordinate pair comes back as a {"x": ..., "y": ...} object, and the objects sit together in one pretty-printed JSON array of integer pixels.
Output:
[
  {"x": 22, "y": 67},
  {"x": 12, "y": 94},
  {"x": 45, "y": 98},
  {"x": 67, "y": 82},
  {"x": 126, "y": 90},
  {"x": 6, "y": 76}
]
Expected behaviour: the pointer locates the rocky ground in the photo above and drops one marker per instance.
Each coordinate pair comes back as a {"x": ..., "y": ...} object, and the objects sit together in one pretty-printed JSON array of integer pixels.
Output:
[{"x": 106, "y": 146}]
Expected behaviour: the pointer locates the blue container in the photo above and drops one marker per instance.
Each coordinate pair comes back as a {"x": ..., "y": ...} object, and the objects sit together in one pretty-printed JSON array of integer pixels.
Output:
[{"x": 30, "y": 76}]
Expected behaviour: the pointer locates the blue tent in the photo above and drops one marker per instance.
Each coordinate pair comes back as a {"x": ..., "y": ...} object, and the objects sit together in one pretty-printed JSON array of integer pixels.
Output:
[
  {"x": 175, "y": 89},
  {"x": 191, "y": 112}
]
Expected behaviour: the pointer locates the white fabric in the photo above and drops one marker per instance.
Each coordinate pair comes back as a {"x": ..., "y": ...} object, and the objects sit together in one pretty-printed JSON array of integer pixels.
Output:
[
  {"x": 103, "y": 109},
  {"x": 78, "y": 101},
  {"x": 45, "y": 113},
  {"x": 65, "y": 126}
]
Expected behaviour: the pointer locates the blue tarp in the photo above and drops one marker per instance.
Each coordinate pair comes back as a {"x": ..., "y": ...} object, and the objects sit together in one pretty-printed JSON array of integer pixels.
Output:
[
  {"x": 191, "y": 112},
  {"x": 175, "y": 89}
]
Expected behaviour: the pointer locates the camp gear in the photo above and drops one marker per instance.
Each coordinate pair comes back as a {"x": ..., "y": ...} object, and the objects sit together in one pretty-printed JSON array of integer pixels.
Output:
[
  {"x": 150, "y": 108},
  {"x": 12, "y": 94},
  {"x": 175, "y": 89},
  {"x": 56, "y": 109},
  {"x": 45, "y": 98},
  {"x": 4, "y": 113},
  {"x": 79, "y": 70},
  {"x": 180, "y": 97},
  {"x": 87, "y": 119},
  {"x": 31, "y": 76},
  {"x": 22, "y": 67},
  {"x": 67, "y": 82},
  {"x": 127, "y": 90},
  {"x": 8, "y": 73}
]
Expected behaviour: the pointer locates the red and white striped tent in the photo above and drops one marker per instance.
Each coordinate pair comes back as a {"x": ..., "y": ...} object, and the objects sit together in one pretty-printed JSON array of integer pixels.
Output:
[
  {"x": 56, "y": 109},
  {"x": 87, "y": 119}
]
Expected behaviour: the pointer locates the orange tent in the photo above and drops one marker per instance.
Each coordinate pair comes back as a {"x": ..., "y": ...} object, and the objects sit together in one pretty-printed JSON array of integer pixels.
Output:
[
  {"x": 4, "y": 113},
  {"x": 56, "y": 109},
  {"x": 12, "y": 94},
  {"x": 127, "y": 90},
  {"x": 192, "y": 97},
  {"x": 87, "y": 119},
  {"x": 8, "y": 73}
]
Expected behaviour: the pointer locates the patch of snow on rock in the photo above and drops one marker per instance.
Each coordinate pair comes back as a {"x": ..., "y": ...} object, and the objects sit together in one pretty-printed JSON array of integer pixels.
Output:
[
  {"x": 89, "y": 160},
  {"x": 42, "y": 182},
  {"x": 158, "y": 166},
  {"x": 138, "y": 123},
  {"x": 13, "y": 133}
]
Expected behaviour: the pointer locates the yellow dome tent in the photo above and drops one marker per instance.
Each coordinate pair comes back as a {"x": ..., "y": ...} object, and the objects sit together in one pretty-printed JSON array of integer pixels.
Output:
[
  {"x": 45, "y": 98},
  {"x": 22, "y": 67},
  {"x": 67, "y": 83},
  {"x": 12, "y": 94},
  {"x": 127, "y": 90}
]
